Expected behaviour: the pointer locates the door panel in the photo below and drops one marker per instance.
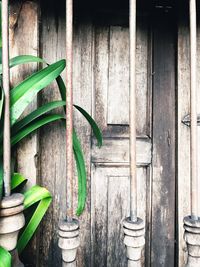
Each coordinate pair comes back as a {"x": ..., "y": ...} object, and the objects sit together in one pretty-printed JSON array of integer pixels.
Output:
[{"x": 110, "y": 183}]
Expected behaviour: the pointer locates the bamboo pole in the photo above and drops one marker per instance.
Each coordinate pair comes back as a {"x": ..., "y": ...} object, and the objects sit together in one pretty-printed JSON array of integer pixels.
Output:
[
  {"x": 133, "y": 227},
  {"x": 69, "y": 107},
  {"x": 6, "y": 88},
  {"x": 193, "y": 110},
  {"x": 69, "y": 240},
  {"x": 132, "y": 112}
]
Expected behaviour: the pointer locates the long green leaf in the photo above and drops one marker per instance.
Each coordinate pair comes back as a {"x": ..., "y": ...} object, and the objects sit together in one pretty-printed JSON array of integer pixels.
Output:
[
  {"x": 91, "y": 121},
  {"x": 62, "y": 87},
  {"x": 94, "y": 126},
  {"x": 1, "y": 177},
  {"x": 17, "y": 181},
  {"x": 23, "y": 94},
  {"x": 36, "y": 114},
  {"x": 82, "y": 184},
  {"x": 34, "y": 126},
  {"x": 5, "y": 258},
  {"x": 18, "y": 60},
  {"x": 34, "y": 195},
  {"x": 1, "y": 102}
]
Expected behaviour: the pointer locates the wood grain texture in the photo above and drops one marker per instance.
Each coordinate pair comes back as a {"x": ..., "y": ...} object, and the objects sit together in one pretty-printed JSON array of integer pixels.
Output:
[
  {"x": 52, "y": 138},
  {"x": 116, "y": 151},
  {"x": 24, "y": 40},
  {"x": 110, "y": 183},
  {"x": 110, "y": 204},
  {"x": 163, "y": 164},
  {"x": 183, "y": 136},
  {"x": 83, "y": 82},
  {"x": 184, "y": 201}
]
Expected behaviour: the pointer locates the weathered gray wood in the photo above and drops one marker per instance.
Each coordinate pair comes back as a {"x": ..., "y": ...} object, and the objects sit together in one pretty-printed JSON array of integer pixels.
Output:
[
  {"x": 118, "y": 92},
  {"x": 183, "y": 135},
  {"x": 184, "y": 203},
  {"x": 24, "y": 21},
  {"x": 116, "y": 151},
  {"x": 111, "y": 72},
  {"x": 24, "y": 40},
  {"x": 109, "y": 207},
  {"x": 163, "y": 183},
  {"x": 83, "y": 82},
  {"x": 52, "y": 137},
  {"x": 110, "y": 176}
]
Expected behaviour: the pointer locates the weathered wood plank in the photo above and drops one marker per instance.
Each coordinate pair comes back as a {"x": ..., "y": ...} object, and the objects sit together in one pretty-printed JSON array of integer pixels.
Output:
[
  {"x": 109, "y": 207},
  {"x": 101, "y": 60},
  {"x": 116, "y": 151},
  {"x": 110, "y": 163},
  {"x": 183, "y": 136},
  {"x": 24, "y": 40},
  {"x": 52, "y": 137},
  {"x": 83, "y": 81},
  {"x": 24, "y": 21},
  {"x": 184, "y": 201},
  {"x": 111, "y": 79},
  {"x": 118, "y": 92},
  {"x": 163, "y": 163}
]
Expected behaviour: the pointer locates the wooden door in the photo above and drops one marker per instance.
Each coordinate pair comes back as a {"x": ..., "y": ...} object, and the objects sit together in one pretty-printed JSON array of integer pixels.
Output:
[
  {"x": 155, "y": 143},
  {"x": 110, "y": 182}
]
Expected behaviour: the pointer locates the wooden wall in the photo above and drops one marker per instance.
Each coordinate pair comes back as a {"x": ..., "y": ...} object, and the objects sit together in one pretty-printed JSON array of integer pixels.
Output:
[{"x": 101, "y": 84}]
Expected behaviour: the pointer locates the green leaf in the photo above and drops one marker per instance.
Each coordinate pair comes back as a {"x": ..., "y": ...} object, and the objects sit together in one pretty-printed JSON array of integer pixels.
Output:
[
  {"x": 34, "y": 126},
  {"x": 81, "y": 170},
  {"x": 91, "y": 121},
  {"x": 1, "y": 102},
  {"x": 62, "y": 87},
  {"x": 94, "y": 126},
  {"x": 1, "y": 177},
  {"x": 5, "y": 258},
  {"x": 36, "y": 114},
  {"x": 34, "y": 195},
  {"x": 23, "y": 94},
  {"x": 18, "y": 60},
  {"x": 17, "y": 180}
]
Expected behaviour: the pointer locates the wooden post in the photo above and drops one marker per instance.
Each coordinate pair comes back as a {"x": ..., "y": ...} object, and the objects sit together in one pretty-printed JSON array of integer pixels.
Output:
[
  {"x": 69, "y": 107},
  {"x": 69, "y": 229},
  {"x": 193, "y": 110},
  {"x": 192, "y": 223},
  {"x": 134, "y": 228},
  {"x": 6, "y": 88},
  {"x": 132, "y": 112}
]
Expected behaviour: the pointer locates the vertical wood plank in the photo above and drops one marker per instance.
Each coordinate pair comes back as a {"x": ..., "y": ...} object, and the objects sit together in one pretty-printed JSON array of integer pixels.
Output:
[
  {"x": 24, "y": 40},
  {"x": 82, "y": 82},
  {"x": 118, "y": 207},
  {"x": 163, "y": 192},
  {"x": 184, "y": 208},
  {"x": 52, "y": 148},
  {"x": 118, "y": 93},
  {"x": 101, "y": 61},
  {"x": 183, "y": 134},
  {"x": 52, "y": 137},
  {"x": 24, "y": 21}
]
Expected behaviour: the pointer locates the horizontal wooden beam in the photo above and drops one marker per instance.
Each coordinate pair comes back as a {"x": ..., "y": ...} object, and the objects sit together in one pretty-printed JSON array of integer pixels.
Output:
[{"x": 116, "y": 152}]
